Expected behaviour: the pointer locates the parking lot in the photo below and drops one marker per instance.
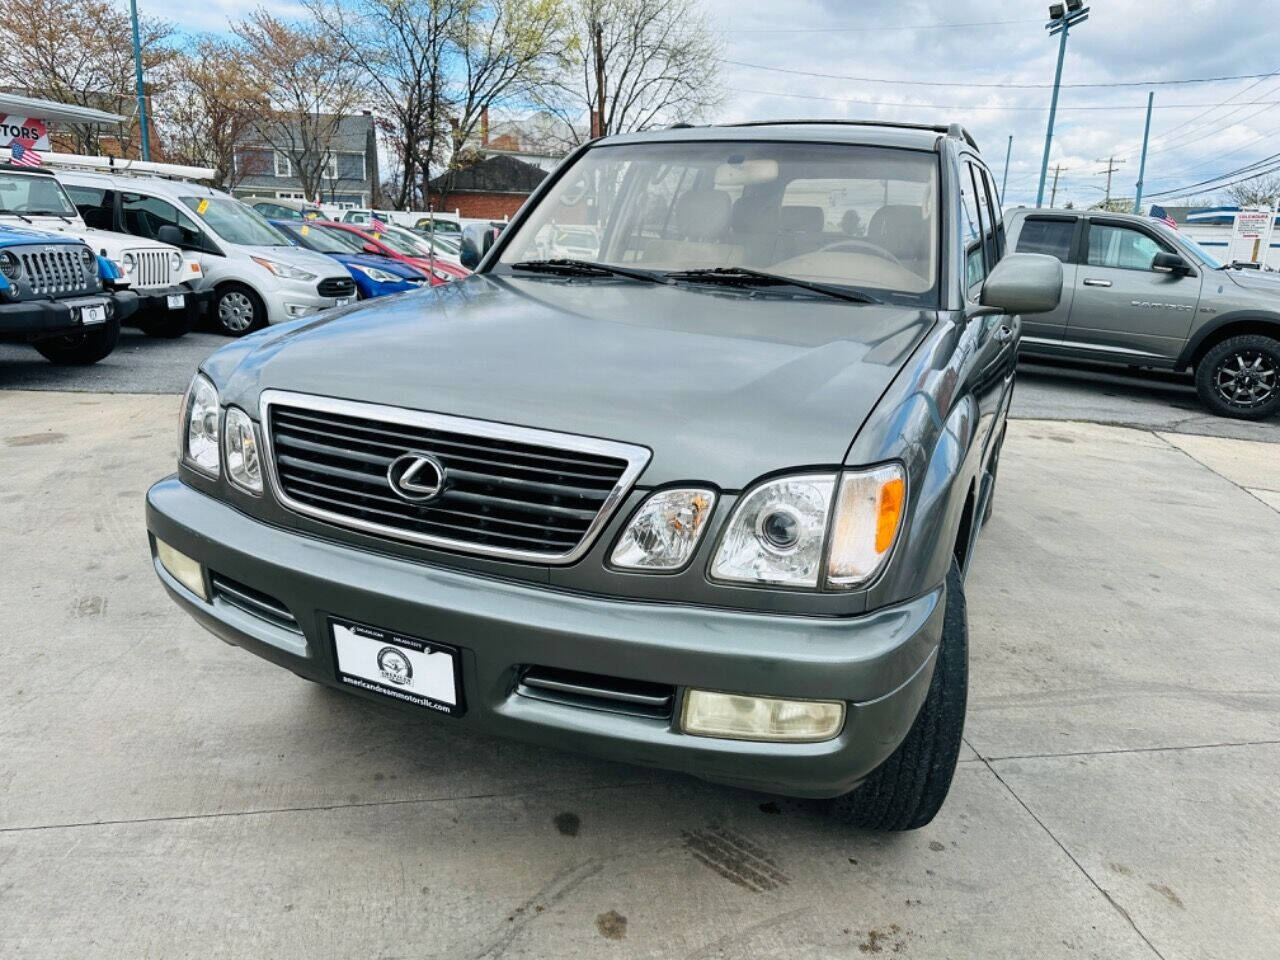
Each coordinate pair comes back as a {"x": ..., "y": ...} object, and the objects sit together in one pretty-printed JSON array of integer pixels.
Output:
[{"x": 164, "y": 794}]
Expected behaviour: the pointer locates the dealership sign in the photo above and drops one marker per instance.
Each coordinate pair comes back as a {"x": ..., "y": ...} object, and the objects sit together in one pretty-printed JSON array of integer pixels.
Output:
[
  {"x": 1251, "y": 236},
  {"x": 33, "y": 134}
]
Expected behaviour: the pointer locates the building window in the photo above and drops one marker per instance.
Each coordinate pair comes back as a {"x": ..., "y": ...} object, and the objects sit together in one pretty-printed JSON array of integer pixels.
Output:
[
  {"x": 284, "y": 167},
  {"x": 331, "y": 167}
]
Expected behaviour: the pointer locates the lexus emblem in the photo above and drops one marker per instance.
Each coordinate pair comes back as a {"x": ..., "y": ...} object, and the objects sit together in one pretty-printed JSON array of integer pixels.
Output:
[{"x": 416, "y": 477}]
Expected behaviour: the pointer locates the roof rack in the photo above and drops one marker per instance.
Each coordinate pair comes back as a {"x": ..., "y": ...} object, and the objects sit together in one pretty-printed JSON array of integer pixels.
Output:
[
  {"x": 946, "y": 129},
  {"x": 125, "y": 165},
  {"x": 19, "y": 168}
]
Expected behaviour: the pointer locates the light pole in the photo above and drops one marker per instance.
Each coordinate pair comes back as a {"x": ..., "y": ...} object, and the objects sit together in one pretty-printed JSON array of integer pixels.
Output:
[
  {"x": 1008, "y": 152},
  {"x": 1142, "y": 164},
  {"x": 1062, "y": 17},
  {"x": 137, "y": 79}
]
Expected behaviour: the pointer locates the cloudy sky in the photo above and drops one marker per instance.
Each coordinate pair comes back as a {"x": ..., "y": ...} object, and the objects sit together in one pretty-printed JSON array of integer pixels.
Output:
[{"x": 1198, "y": 130}]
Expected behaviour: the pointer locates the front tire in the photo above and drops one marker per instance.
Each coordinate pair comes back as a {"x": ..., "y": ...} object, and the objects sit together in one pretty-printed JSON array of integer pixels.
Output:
[
  {"x": 81, "y": 349},
  {"x": 906, "y": 791},
  {"x": 1240, "y": 377},
  {"x": 237, "y": 310}
]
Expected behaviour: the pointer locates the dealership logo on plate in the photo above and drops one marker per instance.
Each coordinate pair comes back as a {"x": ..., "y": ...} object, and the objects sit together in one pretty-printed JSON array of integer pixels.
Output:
[{"x": 394, "y": 666}]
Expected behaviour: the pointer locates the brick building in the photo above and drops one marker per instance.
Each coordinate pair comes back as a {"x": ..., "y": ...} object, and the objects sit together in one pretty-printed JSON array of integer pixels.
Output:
[{"x": 491, "y": 188}]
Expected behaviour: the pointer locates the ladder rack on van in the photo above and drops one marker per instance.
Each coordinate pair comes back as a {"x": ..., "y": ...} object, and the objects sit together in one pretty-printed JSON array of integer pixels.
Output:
[{"x": 124, "y": 165}]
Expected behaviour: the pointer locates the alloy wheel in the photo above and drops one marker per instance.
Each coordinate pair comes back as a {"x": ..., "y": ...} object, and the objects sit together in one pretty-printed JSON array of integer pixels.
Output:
[{"x": 1246, "y": 378}]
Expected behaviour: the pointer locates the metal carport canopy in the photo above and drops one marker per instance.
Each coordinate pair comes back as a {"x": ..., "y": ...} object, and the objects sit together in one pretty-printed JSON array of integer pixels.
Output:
[{"x": 56, "y": 112}]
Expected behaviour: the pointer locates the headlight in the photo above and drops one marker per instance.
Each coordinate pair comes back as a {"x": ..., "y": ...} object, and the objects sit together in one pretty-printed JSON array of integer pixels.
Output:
[
  {"x": 243, "y": 465},
  {"x": 376, "y": 275},
  {"x": 175, "y": 260},
  {"x": 778, "y": 530},
  {"x": 665, "y": 530},
  {"x": 869, "y": 512},
  {"x": 10, "y": 266},
  {"x": 86, "y": 256},
  {"x": 128, "y": 262},
  {"x": 775, "y": 534},
  {"x": 200, "y": 426},
  {"x": 283, "y": 270}
]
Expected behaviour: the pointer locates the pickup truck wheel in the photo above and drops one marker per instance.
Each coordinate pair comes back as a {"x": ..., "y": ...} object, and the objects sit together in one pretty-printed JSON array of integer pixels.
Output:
[
  {"x": 1240, "y": 377},
  {"x": 907, "y": 790},
  {"x": 81, "y": 349},
  {"x": 237, "y": 310}
]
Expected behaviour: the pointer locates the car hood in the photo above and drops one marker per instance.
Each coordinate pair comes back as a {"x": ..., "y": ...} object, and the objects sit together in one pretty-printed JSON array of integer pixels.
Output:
[
  {"x": 317, "y": 263},
  {"x": 380, "y": 263},
  {"x": 722, "y": 386},
  {"x": 1256, "y": 281}
]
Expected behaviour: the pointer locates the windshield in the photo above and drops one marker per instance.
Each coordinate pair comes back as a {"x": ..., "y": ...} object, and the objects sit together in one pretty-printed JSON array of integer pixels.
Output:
[
  {"x": 234, "y": 222},
  {"x": 33, "y": 195},
  {"x": 325, "y": 239},
  {"x": 394, "y": 238},
  {"x": 1203, "y": 255},
  {"x": 836, "y": 214}
]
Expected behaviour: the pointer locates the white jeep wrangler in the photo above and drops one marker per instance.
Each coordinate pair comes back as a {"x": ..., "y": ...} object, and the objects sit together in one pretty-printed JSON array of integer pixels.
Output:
[{"x": 169, "y": 283}]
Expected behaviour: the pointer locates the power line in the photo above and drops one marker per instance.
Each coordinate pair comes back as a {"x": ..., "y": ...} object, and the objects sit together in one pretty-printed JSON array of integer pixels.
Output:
[
  {"x": 1254, "y": 170},
  {"x": 998, "y": 86},
  {"x": 968, "y": 106},
  {"x": 919, "y": 26}
]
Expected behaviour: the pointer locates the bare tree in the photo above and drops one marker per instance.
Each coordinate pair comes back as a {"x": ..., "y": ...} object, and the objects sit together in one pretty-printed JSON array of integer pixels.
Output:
[
  {"x": 208, "y": 109},
  {"x": 311, "y": 84},
  {"x": 403, "y": 45},
  {"x": 81, "y": 52},
  {"x": 658, "y": 59},
  {"x": 502, "y": 49},
  {"x": 1260, "y": 191}
]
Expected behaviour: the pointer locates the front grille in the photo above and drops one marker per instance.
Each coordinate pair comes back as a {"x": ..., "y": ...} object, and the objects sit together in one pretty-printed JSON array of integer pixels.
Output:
[
  {"x": 253, "y": 602},
  {"x": 336, "y": 287},
  {"x": 152, "y": 269},
  {"x": 592, "y": 691},
  {"x": 507, "y": 491},
  {"x": 58, "y": 272}
]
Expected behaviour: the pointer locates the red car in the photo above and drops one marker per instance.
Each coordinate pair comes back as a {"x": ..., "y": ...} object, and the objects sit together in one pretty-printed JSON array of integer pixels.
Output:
[{"x": 389, "y": 245}]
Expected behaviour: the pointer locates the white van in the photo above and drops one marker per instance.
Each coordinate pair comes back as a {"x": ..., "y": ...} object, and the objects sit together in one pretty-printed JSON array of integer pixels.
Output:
[
  {"x": 171, "y": 288},
  {"x": 257, "y": 275}
]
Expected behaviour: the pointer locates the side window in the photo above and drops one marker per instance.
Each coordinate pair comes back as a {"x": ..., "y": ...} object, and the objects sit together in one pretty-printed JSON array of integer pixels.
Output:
[
  {"x": 986, "y": 221},
  {"x": 1047, "y": 235},
  {"x": 95, "y": 205},
  {"x": 971, "y": 232},
  {"x": 144, "y": 216},
  {"x": 1121, "y": 247},
  {"x": 997, "y": 218}
]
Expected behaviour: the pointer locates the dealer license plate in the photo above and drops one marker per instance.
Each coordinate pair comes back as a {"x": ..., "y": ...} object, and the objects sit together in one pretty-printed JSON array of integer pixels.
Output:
[
  {"x": 177, "y": 301},
  {"x": 93, "y": 313},
  {"x": 403, "y": 668},
  {"x": 342, "y": 301}
]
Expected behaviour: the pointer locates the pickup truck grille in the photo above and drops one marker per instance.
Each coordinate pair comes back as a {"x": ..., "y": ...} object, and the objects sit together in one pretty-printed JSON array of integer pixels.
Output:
[
  {"x": 152, "y": 268},
  {"x": 507, "y": 491},
  {"x": 56, "y": 273}
]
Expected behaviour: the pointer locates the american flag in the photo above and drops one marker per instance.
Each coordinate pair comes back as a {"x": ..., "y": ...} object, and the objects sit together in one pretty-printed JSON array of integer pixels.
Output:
[
  {"x": 1161, "y": 214},
  {"x": 376, "y": 224},
  {"x": 23, "y": 155}
]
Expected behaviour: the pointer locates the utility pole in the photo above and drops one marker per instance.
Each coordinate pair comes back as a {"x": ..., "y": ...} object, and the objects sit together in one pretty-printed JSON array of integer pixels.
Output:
[
  {"x": 137, "y": 80},
  {"x": 600, "y": 128},
  {"x": 1062, "y": 16},
  {"x": 1142, "y": 164},
  {"x": 1004, "y": 182},
  {"x": 1112, "y": 163},
  {"x": 1054, "y": 195}
]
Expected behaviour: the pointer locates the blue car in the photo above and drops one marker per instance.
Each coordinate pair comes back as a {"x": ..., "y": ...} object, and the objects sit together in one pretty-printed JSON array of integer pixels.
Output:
[{"x": 375, "y": 276}]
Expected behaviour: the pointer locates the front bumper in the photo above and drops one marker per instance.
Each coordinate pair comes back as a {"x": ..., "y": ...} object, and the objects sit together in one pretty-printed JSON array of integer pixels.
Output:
[
  {"x": 154, "y": 301},
  {"x": 880, "y": 664},
  {"x": 31, "y": 320}
]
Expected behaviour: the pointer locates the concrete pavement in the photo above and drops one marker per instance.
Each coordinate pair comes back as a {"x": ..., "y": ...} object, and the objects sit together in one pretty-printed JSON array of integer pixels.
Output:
[{"x": 165, "y": 795}]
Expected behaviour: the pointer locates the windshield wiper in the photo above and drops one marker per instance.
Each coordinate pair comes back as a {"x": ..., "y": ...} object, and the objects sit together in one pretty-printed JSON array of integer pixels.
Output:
[
  {"x": 745, "y": 276},
  {"x": 48, "y": 213},
  {"x": 6, "y": 212},
  {"x": 585, "y": 268}
]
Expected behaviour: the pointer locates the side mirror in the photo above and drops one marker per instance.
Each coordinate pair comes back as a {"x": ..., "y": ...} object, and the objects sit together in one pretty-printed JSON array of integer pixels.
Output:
[
  {"x": 1024, "y": 283},
  {"x": 1170, "y": 263},
  {"x": 168, "y": 233},
  {"x": 477, "y": 238}
]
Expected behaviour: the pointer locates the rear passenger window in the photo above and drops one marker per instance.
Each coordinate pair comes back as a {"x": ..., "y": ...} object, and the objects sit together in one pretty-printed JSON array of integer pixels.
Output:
[
  {"x": 1121, "y": 248},
  {"x": 1042, "y": 235},
  {"x": 974, "y": 268}
]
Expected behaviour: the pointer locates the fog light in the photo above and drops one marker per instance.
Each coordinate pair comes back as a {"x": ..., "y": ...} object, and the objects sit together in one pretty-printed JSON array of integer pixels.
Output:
[
  {"x": 733, "y": 716},
  {"x": 182, "y": 568}
]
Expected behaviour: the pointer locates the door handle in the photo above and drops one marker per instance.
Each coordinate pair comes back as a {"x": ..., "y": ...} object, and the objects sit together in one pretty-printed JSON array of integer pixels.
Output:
[
  {"x": 1003, "y": 334},
  {"x": 1093, "y": 282}
]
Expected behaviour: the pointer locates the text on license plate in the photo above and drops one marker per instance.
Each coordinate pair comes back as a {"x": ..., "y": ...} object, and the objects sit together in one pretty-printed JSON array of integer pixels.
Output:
[
  {"x": 177, "y": 301},
  {"x": 342, "y": 301},
  {"x": 397, "y": 666},
  {"x": 93, "y": 313}
]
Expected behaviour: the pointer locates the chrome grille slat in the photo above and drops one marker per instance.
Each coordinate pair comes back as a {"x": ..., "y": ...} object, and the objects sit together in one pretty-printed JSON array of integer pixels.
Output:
[
  {"x": 511, "y": 492},
  {"x": 253, "y": 602}
]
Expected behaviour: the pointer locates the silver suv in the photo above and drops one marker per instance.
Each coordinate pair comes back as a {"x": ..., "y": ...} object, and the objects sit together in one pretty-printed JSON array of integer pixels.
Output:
[{"x": 1136, "y": 292}]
